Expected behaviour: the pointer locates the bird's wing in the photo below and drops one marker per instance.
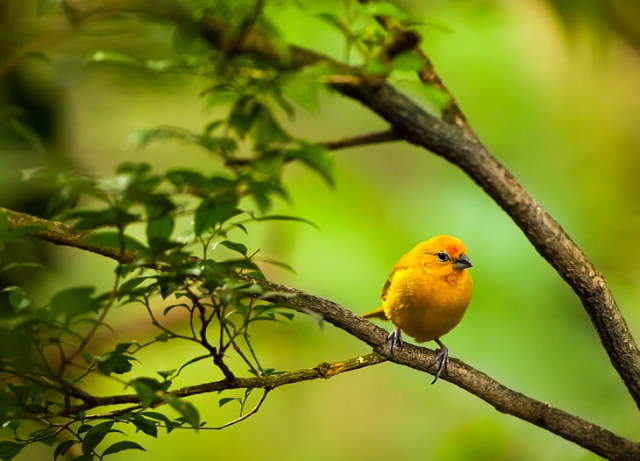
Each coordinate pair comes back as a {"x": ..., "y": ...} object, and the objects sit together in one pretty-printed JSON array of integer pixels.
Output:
[
  {"x": 394, "y": 273},
  {"x": 379, "y": 312}
]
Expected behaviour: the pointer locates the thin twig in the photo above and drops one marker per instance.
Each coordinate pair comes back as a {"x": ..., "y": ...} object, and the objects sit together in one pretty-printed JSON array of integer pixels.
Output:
[
  {"x": 252, "y": 412},
  {"x": 216, "y": 354},
  {"x": 105, "y": 310},
  {"x": 376, "y": 137},
  {"x": 362, "y": 140}
]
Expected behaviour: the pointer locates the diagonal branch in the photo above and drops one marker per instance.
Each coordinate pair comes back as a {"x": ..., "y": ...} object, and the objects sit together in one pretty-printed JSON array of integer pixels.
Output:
[
  {"x": 549, "y": 238},
  {"x": 505, "y": 400},
  {"x": 62, "y": 234},
  {"x": 452, "y": 142}
]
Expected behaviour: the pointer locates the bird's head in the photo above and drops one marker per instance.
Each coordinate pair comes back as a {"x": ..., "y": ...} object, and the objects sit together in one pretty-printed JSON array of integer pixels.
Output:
[{"x": 443, "y": 254}]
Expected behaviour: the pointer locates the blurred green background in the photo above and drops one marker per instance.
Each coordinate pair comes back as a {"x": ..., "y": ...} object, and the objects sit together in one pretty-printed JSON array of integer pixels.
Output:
[{"x": 553, "y": 92}]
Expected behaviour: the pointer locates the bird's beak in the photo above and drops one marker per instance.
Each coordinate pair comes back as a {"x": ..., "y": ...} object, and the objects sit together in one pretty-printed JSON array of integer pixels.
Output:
[{"x": 462, "y": 262}]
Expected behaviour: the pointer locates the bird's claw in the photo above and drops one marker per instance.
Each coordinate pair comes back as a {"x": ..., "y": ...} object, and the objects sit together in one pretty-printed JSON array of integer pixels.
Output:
[
  {"x": 395, "y": 341},
  {"x": 441, "y": 362}
]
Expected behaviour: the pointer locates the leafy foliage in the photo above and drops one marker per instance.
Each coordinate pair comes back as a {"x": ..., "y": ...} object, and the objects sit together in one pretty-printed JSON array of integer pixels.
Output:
[{"x": 193, "y": 256}]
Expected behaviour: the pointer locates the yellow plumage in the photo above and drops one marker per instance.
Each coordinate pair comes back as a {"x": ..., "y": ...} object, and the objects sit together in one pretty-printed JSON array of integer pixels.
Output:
[{"x": 428, "y": 290}]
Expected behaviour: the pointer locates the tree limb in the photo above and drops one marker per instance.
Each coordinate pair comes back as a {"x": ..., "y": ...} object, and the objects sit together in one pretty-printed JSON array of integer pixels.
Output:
[
  {"x": 62, "y": 234},
  {"x": 505, "y": 400},
  {"x": 453, "y": 142}
]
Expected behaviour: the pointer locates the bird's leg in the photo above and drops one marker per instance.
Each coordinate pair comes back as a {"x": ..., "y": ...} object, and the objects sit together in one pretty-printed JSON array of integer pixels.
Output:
[
  {"x": 442, "y": 360},
  {"x": 395, "y": 340}
]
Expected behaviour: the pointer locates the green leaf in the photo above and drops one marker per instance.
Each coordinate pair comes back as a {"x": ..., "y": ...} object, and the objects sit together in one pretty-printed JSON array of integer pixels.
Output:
[
  {"x": 169, "y": 424},
  {"x": 382, "y": 8},
  {"x": 235, "y": 246},
  {"x": 148, "y": 389},
  {"x": 112, "y": 239},
  {"x": 333, "y": 20},
  {"x": 267, "y": 130},
  {"x": 12, "y": 266},
  {"x": 186, "y": 178},
  {"x": 44, "y": 436},
  {"x": 131, "y": 284},
  {"x": 159, "y": 232},
  {"x": 145, "y": 425},
  {"x": 8, "y": 450},
  {"x": 376, "y": 66},
  {"x": 166, "y": 373},
  {"x": 121, "y": 446},
  {"x": 158, "y": 205},
  {"x": 277, "y": 263},
  {"x": 316, "y": 157},
  {"x": 408, "y": 60},
  {"x": 18, "y": 298},
  {"x": 219, "y": 144},
  {"x": 146, "y": 394},
  {"x": 63, "y": 447},
  {"x": 114, "y": 57},
  {"x": 188, "y": 411},
  {"x": 145, "y": 137},
  {"x": 73, "y": 302},
  {"x": 156, "y": 415},
  {"x": 226, "y": 400},
  {"x": 163, "y": 337},
  {"x": 94, "y": 436},
  {"x": 287, "y": 315},
  {"x": 303, "y": 86},
  {"x": 243, "y": 115},
  {"x": 211, "y": 212},
  {"x": 91, "y": 219},
  {"x": 193, "y": 360},
  {"x": 277, "y": 217},
  {"x": 115, "y": 361}
]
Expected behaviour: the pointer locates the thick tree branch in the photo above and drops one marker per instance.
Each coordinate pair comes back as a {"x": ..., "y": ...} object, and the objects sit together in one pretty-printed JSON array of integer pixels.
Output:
[
  {"x": 62, "y": 234},
  {"x": 451, "y": 141},
  {"x": 505, "y": 400},
  {"x": 548, "y": 237}
]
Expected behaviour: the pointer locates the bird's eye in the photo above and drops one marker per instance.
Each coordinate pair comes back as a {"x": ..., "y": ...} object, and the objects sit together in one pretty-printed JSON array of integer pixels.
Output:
[{"x": 442, "y": 256}]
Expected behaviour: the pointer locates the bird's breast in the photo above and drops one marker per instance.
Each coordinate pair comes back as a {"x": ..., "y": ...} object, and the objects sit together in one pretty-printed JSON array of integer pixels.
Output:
[{"x": 428, "y": 307}]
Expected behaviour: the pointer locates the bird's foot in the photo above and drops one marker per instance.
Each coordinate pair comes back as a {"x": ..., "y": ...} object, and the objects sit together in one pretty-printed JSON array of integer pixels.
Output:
[
  {"x": 441, "y": 362},
  {"x": 395, "y": 341}
]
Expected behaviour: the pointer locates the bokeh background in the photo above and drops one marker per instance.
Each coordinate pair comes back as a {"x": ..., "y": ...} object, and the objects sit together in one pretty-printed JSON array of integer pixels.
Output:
[{"x": 551, "y": 88}]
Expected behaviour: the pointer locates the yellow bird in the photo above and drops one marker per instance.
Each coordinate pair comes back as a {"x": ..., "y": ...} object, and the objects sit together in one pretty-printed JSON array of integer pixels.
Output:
[{"x": 427, "y": 294}]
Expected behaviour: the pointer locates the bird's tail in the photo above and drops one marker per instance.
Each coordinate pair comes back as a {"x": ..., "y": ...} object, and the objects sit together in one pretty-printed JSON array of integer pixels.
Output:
[{"x": 376, "y": 314}]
